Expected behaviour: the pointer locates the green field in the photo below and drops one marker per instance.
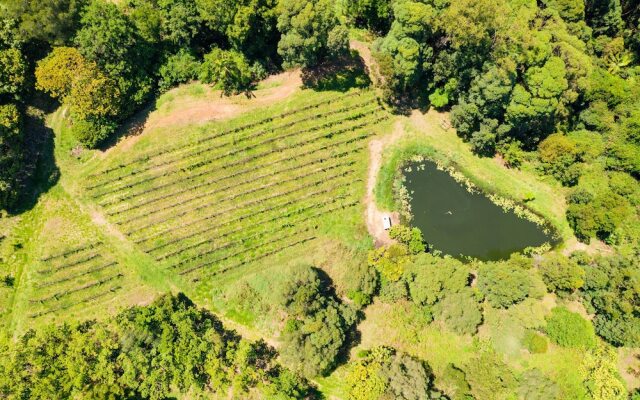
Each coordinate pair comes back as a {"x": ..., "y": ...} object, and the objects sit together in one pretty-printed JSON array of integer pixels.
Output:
[{"x": 187, "y": 206}]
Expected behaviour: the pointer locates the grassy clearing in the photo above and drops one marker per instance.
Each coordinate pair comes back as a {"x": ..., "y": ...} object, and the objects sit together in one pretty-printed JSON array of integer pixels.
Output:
[
  {"x": 425, "y": 136},
  {"x": 229, "y": 194},
  {"x": 194, "y": 207}
]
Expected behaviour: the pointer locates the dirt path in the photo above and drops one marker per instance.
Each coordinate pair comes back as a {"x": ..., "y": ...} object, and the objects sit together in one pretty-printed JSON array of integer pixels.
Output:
[
  {"x": 188, "y": 109},
  {"x": 373, "y": 213}
]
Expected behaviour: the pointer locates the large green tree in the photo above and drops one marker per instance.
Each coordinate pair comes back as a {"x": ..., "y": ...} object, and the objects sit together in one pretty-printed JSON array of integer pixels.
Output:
[{"x": 310, "y": 32}]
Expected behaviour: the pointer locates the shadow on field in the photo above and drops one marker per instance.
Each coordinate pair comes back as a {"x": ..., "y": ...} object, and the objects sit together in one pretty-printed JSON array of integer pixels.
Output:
[
  {"x": 341, "y": 74},
  {"x": 133, "y": 126},
  {"x": 40, "y": 172}
]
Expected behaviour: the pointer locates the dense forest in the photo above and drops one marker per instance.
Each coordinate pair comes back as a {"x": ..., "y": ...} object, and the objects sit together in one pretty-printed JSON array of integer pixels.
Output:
[{"x": 547, "y": 87}]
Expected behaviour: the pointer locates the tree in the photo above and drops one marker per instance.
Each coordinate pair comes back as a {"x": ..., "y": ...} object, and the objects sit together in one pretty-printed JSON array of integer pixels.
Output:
[
  {"x": 11, "y": 156},
  {"x": 390, "y": 261},
  {"x": 180, "y": 22},
  {"x": 93, "y": 98},
  {"x": 559, "y": 155},
  {"x": 13, "y": 72},
  {"x": 375, "y": 15},
  {"x": 151, "y": 352},
  {"x": 411, "y": 237},
  {"x": 431, "y": 279},
  {"x": 109, "y": 38},
  {"x": 569, "y": 329},
  {"x": 53, "y": 21},
  {"x": 533, "y": 106},
  {"x": 318, "y": 325},
  {"x": 228, "y": 70},
  {"x": 489, "y": 377},
  {"x": 561, "y": 274},
  {"x": 460, "y": 312},
  {"x": 310, "y": 32},
  {"x": 385, "y": 373},
  {"x": 611, "y": 286},
  {"x": 503, "y": 284},
  {"x": 178, "y": 68},
  {"x": 603, "y": 378},
  {"x": 56, "y": 73}
]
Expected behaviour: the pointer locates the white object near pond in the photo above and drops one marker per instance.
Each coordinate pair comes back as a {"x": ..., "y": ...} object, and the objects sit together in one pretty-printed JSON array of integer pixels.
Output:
[{"x": 386, "y": 222}]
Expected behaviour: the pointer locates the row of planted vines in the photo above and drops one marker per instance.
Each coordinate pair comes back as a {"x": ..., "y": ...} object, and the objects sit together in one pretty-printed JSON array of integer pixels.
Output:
[
  {"x": 76, "y": 278},
  {"x": 233, "y": 196}
]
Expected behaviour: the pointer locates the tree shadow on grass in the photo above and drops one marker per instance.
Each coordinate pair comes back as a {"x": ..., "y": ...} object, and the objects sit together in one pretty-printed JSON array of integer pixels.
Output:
[
  {"x": 132, "y": 126},
  {"x": 340, "y": 74},
  {"x": 40, "y": 172}
]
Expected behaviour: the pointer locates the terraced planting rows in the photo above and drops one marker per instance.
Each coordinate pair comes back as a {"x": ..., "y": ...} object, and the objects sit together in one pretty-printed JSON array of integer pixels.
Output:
[
  {"x": 78, "y": 277},
  {"x": 229, "y": 197}
]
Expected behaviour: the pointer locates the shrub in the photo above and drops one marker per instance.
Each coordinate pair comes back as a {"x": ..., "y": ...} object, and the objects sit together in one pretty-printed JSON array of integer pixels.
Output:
[
  {"x": 504, "y": 284},
  {"x": 227, "y": 69},
  {"x": 460, "y": 312},
  {"x": 178, "y": 68},
  {"x": 561, "y": 274},
  {"x": 411, "y": 237},
  {"x": 535, "y": 342},
  {"x": 569, "y": 329}
]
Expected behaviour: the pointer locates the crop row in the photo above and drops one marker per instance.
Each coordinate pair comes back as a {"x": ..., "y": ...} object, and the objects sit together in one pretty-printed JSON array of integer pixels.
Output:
[
  {"x": 90, "y": 257},
  {"x": 217, "y": 180},
  {"x": 302, "y": 143},
  {"x": 93, "y": 297},
  {"x": 207, "y": 161},
  {"x": 201, "y": 174},
  {"x": 86, "y": 272},
  {"x": 239, "y": 218},
  {"x": 64, "y": 293},
  {"x": 254, "y": 259},
  {"x": 71, "y": 251},
  {"x": 240, "y": 252},
  {"x": 192, "y": 153},
  {"x": 241, "y": 128},
  {"x": 249, "y": 203},
  {"x": 243, "y": 161},
  {"x": 244, "y": 192},
  {"x": 320, "y": 213}
]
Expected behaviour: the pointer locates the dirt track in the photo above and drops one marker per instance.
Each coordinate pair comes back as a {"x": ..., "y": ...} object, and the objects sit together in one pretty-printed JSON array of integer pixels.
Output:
[{"x": 373, "y": 215}]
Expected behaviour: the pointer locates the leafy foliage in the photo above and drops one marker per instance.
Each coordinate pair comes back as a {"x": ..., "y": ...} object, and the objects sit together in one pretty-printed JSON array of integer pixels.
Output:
[
  {"x": 569, "y": 329},
  {"x": 561, "y": 274},
  {"x": 504, "y": 284},
  {"x": 318, "y": 326},
  {"x": 143, "y": 352},
  {"x": 610, "y": 290},
  {"x": 385, "y": 373},
  {"x": 310, "y": 32}
]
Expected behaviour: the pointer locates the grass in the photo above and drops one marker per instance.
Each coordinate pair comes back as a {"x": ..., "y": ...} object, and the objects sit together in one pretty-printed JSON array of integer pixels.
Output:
[
  {"x": 424, "y": 136},
  {"x": 192, "y": 208}
]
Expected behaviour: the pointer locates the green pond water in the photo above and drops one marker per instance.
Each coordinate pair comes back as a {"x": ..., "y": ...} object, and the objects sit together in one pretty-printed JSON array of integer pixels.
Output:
[{"x": 460, "y": 223}]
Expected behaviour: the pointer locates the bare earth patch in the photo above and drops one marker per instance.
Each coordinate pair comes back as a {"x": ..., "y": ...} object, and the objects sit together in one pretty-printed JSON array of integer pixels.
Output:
[
  {"x": 209, "y": 107},
  {"x": 373, "y": 214}
]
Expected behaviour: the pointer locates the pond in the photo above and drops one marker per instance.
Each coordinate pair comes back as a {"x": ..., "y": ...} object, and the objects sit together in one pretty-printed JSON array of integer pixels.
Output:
[{"x": 460, "y": 223}]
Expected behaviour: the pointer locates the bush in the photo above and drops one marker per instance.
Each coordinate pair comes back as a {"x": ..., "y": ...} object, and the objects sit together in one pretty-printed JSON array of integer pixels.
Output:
[
  {"x": 178, "y": 68},
  {"x": 227, "y": 69},
  {"x": 504, "y": 284},
  {"x": 561, "y": 274},
  {"x": 535, "y": 342},
  {"x": 90, "y": 132},
  {"x": 411, "y": 237},
  {"x": 460, "y": 312},
  {"x": 569, "y": 329}
]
